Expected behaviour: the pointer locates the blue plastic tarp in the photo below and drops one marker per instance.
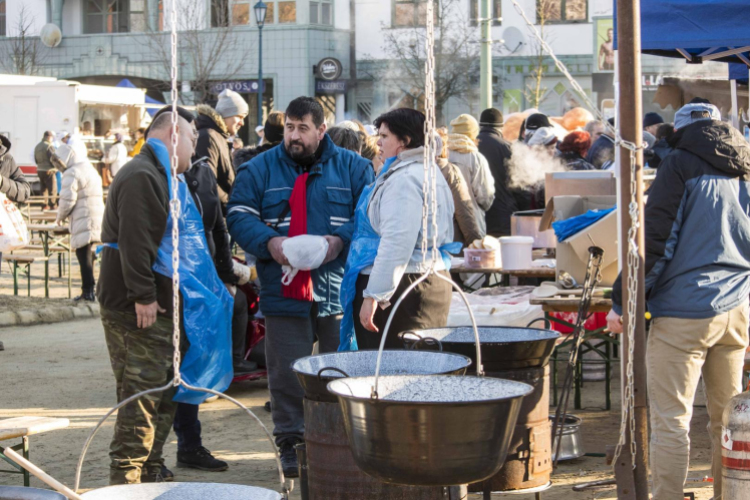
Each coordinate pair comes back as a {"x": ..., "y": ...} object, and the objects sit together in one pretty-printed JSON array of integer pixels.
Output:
[
  {"x": 125, "y": 83},
  {"x": 564, "y": 229},
  {"x": 738, "y": 72},
  {"x": 695, "y": 26}
]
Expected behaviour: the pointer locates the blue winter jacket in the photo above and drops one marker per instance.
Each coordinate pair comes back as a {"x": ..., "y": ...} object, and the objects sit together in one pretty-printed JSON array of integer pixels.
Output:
[
  {"x": 260, "y": 197},
  {"x": 697, "y": 225}
]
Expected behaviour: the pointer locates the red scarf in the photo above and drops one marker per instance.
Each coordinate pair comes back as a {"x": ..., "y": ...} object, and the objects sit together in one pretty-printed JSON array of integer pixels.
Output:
[{"x": 301, "y": 286}]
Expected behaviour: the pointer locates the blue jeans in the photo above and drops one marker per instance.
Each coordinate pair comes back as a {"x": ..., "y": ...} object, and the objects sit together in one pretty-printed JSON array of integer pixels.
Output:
[{"x": 187, "y": 427}]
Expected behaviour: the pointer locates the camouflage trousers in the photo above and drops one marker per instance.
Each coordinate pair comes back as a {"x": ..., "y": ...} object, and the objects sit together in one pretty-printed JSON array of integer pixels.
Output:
[{"x": 141, "y": 360}]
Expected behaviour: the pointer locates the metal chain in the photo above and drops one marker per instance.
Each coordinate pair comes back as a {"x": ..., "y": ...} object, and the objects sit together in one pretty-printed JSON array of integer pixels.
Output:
[
  {"x": 174, "y": 205},
  {"x": 633, "y": 265},
  {"x": 429, "y": 183}
]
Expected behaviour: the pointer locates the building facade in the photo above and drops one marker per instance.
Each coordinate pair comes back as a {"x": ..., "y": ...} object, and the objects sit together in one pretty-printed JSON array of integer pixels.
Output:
[{"x": 359, "y": 57}]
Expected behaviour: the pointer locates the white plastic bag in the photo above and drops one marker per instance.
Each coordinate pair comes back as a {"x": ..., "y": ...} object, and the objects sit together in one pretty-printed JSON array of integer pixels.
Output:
[
  {"x": 13, "y": 232},
  {"x": 304, "y": 253}
]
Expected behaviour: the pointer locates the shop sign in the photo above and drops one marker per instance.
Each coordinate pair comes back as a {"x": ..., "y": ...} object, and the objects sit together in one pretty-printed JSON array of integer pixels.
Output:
[
  {"x": 240, "y": 86},
  {"x": 333, "y": 87},
  {"x": 329, "y": 69}
]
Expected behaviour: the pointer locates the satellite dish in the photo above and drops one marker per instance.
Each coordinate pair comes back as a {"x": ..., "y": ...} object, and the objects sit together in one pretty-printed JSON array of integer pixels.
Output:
[
  {"x": 513, "y": 39},
  {"x": 51, "y": 35}
]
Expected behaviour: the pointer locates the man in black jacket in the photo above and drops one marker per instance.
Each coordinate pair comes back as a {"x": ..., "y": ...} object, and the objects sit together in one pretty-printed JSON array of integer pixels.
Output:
[
  {"x": 496, "y": 149},
  {"x": 13, "y": 184},
  {"x": 215, "y": 128}
]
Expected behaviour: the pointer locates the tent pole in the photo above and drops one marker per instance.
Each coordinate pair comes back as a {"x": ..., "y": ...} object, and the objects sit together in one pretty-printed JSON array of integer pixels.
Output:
[
  {"x": 630, "y": 126},
  {"x": 735, "y": 108}
]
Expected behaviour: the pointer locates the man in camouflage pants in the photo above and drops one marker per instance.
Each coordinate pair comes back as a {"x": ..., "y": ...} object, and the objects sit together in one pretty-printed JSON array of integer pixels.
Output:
[{"x": 136, "y": 304}]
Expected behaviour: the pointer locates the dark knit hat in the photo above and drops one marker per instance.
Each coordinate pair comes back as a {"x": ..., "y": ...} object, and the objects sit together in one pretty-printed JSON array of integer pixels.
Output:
[
  {"x": 537, "y": 120},
  {"x": 491, "y": 118},
  {"x": 652, "y": 119}
]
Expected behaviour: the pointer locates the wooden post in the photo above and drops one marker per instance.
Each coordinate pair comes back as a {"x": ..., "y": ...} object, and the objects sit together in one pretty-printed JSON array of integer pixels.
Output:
[{"x": 630, "y": 125}]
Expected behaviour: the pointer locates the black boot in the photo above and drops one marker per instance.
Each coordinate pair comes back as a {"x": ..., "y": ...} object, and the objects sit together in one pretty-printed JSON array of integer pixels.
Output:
[
  {"x": 288, "y": 454},
  {"x": 157, "y": 475},
  {"x": 200, "y": 459},
  {"x": 86, "y": 296},
  {"x": 242, "y": 367}
]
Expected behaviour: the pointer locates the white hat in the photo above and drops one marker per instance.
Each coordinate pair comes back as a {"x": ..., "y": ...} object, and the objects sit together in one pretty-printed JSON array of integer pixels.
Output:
[
  {"x": 231, "y": 104},
  {"x": 259, "y": 128}
]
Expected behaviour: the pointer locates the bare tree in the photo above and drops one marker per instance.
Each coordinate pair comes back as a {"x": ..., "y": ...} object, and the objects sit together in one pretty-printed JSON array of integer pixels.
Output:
[
  {"x": 456, "y": 52},
  {"x": 546, "y": 10},
  {"x": 204, "y": 55},
  {"x": 22, "y": 54}
]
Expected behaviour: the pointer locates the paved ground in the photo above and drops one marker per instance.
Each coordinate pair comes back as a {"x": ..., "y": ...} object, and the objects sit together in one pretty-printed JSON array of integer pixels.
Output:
[{"x": 63, "y": 370}]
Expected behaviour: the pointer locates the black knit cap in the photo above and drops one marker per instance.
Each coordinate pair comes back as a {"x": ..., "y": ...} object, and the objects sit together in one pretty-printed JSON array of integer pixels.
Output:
[
  {"x": 536, "y": 121},
  {"x": 491, "y": 118},
  {"x": 184, "y": 113}
]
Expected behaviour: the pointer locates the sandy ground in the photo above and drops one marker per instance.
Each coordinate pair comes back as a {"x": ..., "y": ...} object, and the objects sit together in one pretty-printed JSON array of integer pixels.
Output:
[{"x": 63, "y": 370}]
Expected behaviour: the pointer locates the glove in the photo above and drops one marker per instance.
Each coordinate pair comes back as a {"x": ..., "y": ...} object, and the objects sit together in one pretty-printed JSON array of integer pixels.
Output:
[{"x": 242, "y": 272}]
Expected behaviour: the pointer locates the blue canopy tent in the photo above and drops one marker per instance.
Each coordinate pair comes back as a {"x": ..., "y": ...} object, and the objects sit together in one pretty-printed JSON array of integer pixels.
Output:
[
  {"x": 696, "y": 30},
  {"x": 149, "y": 100}
]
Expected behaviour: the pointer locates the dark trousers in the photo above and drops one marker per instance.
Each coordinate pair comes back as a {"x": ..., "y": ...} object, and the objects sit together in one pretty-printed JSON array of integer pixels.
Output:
[
  {"x": 425, "y": 307},
  {"x": 85, "y": 256},
  {"x": 289, "y": 338},
  {"x": 48, "y": 182},
  {"x": 187, "y": 427},
  {"x": 186, "y": 423}
]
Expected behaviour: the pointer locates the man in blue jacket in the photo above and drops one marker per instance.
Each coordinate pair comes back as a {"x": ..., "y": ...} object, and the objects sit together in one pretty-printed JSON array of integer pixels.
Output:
[
  {"x": 259, "y": 216},
  {"x": 697, "y": 285}
]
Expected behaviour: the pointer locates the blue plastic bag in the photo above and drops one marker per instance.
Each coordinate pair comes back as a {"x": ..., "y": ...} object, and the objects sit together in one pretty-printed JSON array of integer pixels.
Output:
[{"x": 564, "y": 229}]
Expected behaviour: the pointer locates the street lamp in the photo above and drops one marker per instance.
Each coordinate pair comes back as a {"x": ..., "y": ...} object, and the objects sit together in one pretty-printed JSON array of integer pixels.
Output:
[{"x": 260, "y": 18}]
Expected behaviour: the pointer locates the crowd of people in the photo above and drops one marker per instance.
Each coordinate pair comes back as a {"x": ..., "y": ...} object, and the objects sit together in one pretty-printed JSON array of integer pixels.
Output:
[{"x": 360, "y": 188}]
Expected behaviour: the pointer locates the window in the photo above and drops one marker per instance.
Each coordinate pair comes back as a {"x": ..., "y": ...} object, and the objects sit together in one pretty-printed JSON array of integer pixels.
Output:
[
  {"x": 269, "y": 12},
  {"x": 138, "y": 16},
  {"x": 2, "y": 18},
  {"x": 562, "y": 11},
  {"x": 287, "y": 12},
  {"x": 410, "y": 13},
  {"x": 496, "y": 14},
  {"x": 219, "y": 13},
  {"x": 320, "y": 12},
  {"x": 105, "y": 16},
  {"x": 240, "y": 13}
]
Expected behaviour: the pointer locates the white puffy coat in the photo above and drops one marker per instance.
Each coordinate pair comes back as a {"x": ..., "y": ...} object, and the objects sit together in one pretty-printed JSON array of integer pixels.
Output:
[{"x": 81, "y": 201}]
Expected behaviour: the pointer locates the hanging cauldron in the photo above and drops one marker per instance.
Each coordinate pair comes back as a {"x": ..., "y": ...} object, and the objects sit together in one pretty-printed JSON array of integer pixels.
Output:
[
  {"x": 181, "y": 491},
  {"x": 314, "y": 372},
  {"x": 429, "y": 430},
  {"x": 503, "y": 348}
]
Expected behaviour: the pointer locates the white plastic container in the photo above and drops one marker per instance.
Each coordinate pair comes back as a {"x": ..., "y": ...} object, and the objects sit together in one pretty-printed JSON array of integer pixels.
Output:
[{"x": 516, "y": 252}]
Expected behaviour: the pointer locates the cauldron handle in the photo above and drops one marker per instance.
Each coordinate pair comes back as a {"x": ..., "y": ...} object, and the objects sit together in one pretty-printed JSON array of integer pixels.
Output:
[
  {"x": 431, "y": 271},
  {"x": 332, "y": 369},
  {"x": 428, "y": 341},
  {"x": 401, "y": 336},
  {"x": 547, "y": 323}
]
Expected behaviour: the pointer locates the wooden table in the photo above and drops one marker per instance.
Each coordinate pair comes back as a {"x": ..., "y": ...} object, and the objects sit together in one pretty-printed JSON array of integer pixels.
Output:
[
  {"x": 52, "y": 234},
  {"x": 567, "y": 303},
  {"x": 23, "y": 427},
  {"x": 535, "y": 272}
]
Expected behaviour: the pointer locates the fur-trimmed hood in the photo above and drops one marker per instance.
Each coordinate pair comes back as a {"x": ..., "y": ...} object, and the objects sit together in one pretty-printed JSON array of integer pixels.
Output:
[{"x": 208, "y": 117}]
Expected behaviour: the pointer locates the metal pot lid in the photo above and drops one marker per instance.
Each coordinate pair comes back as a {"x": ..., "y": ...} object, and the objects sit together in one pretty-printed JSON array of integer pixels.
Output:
[
  {"x": 181, "y": 491},
  {"x": 430, "y": 389},
  {"x": 395, "y": 362},
  {"x": 488, "y": 334}
]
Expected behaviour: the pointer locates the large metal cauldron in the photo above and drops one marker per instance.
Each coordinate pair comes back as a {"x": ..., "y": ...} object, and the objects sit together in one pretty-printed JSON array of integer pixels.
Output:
[
  {"x": 503, "y": 348},
  {"x": 22, "y": 493},
  {"x": 520, "y": 354},
  {"x": 181, "y": 491},
  {"x": 427, "y": 430},
  {"x": 332, "y": 473},
  {"x": 314, "y": 372}
]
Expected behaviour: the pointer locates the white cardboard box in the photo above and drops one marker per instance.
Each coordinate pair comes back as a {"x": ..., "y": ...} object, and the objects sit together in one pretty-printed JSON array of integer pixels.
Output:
[{"x": 573, "y": 253}]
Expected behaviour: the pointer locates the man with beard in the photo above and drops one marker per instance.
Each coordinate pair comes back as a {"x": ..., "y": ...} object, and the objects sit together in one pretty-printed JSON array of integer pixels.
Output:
[{"x": 308, "y": 185}]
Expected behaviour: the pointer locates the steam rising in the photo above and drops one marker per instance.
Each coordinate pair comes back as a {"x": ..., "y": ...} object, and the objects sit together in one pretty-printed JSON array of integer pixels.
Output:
[{"x": 527, "y": 166}]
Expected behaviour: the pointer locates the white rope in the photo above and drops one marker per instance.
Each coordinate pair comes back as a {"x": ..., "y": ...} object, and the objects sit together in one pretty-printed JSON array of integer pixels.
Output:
[{"x": 633, "y": 259}]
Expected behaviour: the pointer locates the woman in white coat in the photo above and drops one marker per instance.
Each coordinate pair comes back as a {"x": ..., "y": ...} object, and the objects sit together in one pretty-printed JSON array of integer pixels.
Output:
[
  {"x": 117, "y": 156},
  {"x": 81, "y": 201}
]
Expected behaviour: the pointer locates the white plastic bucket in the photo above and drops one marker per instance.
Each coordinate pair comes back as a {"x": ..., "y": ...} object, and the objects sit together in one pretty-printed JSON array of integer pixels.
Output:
[{"x": 516, "y": 252}]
